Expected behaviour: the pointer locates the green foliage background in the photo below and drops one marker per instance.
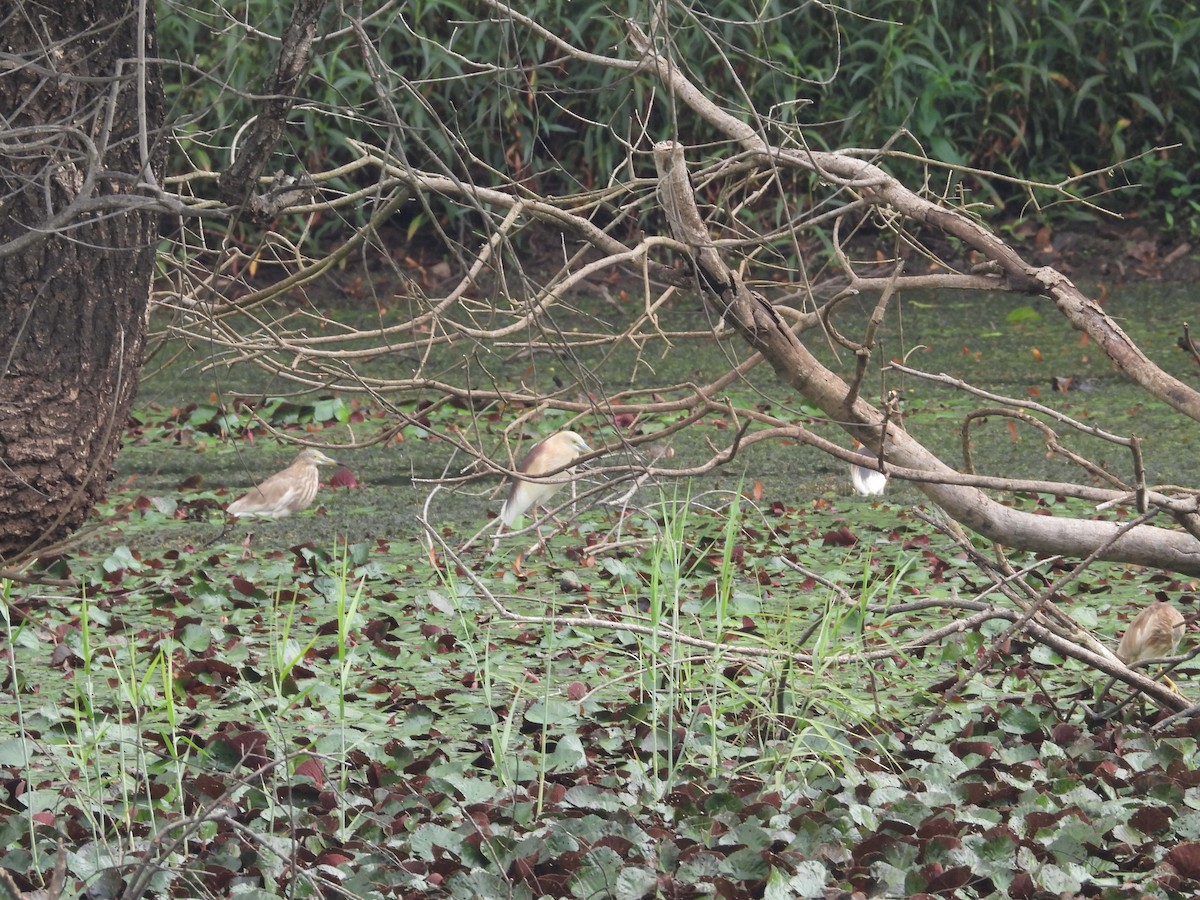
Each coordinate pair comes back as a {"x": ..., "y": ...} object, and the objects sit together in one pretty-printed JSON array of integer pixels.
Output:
[{"x": 1042, "y": 89}]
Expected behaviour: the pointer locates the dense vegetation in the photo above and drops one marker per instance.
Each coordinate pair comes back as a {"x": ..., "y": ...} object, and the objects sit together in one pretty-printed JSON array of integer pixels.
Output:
[
  {"x": 1043, "y": 89},
  {"x": 333, "y": 716}
]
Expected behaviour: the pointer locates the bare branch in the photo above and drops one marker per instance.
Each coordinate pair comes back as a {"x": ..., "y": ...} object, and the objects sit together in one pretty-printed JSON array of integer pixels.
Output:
[{"x": 240, "y": 179}]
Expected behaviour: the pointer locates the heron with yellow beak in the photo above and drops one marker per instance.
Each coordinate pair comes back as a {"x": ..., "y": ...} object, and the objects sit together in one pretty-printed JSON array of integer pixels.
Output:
[
  {"x": 285, "y": 492},
  {"x": 555, "y": 452},
  {"x": 1153, "y": 634}
]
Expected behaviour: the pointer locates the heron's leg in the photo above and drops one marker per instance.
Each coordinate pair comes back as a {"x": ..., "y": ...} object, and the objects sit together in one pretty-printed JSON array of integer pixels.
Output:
[
  {"x": 1166, "y": 679},
  {"x": 541, "y": 544}
]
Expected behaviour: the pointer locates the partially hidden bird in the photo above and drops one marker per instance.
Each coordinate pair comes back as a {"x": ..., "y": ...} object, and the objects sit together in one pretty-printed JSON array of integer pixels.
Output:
[
  {"x": 558, "y": 450},
  {"x": 867, "y": 482},
  {"x": 285, "y": 492},
  {"x": 1153, "y": 634}
]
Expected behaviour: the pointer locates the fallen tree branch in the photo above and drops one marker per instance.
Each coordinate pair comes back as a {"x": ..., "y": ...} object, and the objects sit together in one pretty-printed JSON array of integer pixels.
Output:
[{"x": 760, "y": 326}]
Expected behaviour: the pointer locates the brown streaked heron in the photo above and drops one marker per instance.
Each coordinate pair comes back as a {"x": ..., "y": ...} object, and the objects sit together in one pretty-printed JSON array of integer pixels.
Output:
[
  {"x": 1154, "y": 633},
  {"x": 867, "y": 482},
  {"x": 560, "y": 449},
  {"x": 285, "y": 492}
]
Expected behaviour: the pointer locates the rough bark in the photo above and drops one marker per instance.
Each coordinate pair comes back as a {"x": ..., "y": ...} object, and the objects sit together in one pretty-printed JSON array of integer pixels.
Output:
[{"x": 73, "y": 300}]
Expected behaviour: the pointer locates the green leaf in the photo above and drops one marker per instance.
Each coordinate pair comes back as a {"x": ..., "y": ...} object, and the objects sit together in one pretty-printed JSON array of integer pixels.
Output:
[
  {"x": 477, "y": 883},
  {"x": 196, "y": 637},
  {"x": 636, "y": 881},
  {"x": 586, "y": 796},
  {"x": 14, "y": 752},
  {"x": 1062, "y": 880},
  {"x": 747, "y": 864},
  {"x": 551, "y": 712},
  {"x": 1149, "y": 106},
  {"x": 122, "y": 558},
  {"x": 809, "y": 881},
  {"x": 1023, "y": 314},
  {"x": 429, "y": 836},
  {"x": 598, "y": 872},
  {"x": 568, "y": 756},
  {"x": 1020, "y": 720}
]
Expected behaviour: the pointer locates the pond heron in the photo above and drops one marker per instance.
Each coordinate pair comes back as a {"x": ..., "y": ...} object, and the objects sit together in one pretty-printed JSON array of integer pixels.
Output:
[
  {"x": 1153, "y": 634},
  {"x": 867, "y": 482},
  {"x": 285, "y": 492},
  {"x": 560, "y": 449}
]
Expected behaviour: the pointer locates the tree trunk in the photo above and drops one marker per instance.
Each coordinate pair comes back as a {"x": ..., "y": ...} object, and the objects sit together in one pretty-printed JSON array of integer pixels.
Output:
[{"x": 75, "y": 267}]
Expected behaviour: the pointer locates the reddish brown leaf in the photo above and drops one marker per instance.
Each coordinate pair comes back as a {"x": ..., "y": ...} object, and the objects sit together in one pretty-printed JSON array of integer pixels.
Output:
[
  {"x": 1021, "y": 887},
  {"x": 249, "y": 746},
  {"x": 1185, "y": 859},
  {"x": 946, "y": 881},
  {"x": 311, "y": 767},
  {"x": 963, "y": 748},
  {"x": 1151, "y": 819},
  {"x": 343, "y": 478},
  {"x": 242, "y": 586},
  {"x": 63, "y": 655},
  {"x": 841, "y": 537},
  {"x": 1065, "y": 733},
  {"x": 937, "y": 825}
]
